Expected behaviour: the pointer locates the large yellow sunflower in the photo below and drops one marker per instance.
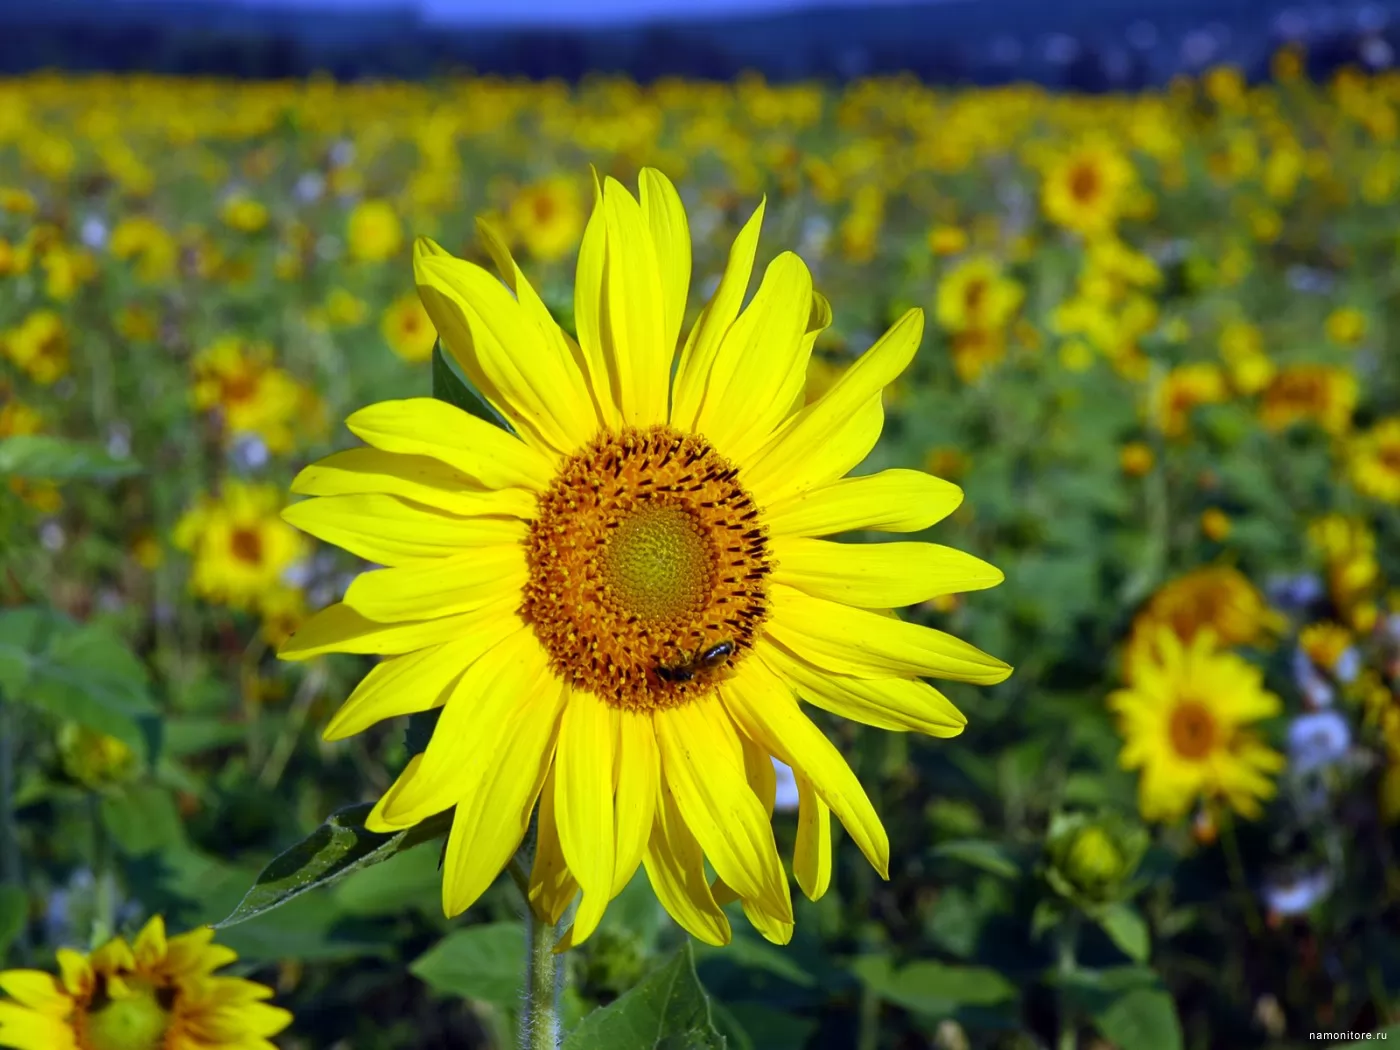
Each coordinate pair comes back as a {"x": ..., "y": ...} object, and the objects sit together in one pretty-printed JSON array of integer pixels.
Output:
[
  {"x": 618, "y": 602},
  {"x": 1182, "y": 721},
  {"x": 152, "y": 994}
]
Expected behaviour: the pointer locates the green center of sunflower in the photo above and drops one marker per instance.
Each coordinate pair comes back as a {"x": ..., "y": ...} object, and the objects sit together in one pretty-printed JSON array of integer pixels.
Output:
[
  {"x": 648, "y": 568},
  {"x": 135, "y": 1021},
  {"x": 1192, "y": 729}
]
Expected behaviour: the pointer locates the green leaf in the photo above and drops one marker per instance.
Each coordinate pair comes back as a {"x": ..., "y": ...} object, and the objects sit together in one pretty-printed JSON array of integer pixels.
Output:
[
  {"x": 1128, "y": 1005},
  {"x": 143, "y": 819},
  {"x": 933, "y": 987},
  {"x": 335, "y": 849},
  {"x": 478, "y": 962},
  {"x": 420, "y": 730},
  {"x": 48, "y": 458},
  {"x": 668, "y": 1010},
  {"x": 14, "y": 913},
  {"x": 1127, "y": 929},
  {"x": 753, "y": 954},
  {"x": 450, "y": 385},
  {"x": 83, "y": 674},
  {"x": 989, "y": 856}
]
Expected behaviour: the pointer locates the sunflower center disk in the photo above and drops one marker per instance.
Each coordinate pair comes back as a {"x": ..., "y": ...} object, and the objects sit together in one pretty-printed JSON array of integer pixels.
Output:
[
  {"x": 646, "y": 555},
  {"x": 134, "y": 1022},
  {"x": 1192, "y": 730}
]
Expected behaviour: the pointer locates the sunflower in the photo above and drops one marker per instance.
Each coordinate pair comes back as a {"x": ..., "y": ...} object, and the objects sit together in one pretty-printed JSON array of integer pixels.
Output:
[
  {"x": 373, "y": 232},
  {"x": 547, "y": 217},
  {"x": 1216, "y": 598},
  {"x": 1088, "y": 188},
  {"x": 1348, "y": 547},
  {"x": 407, "y": 329},
  {"x": 1319, "y": 394},
  {"x": 618, "y": 602},
  {"x": 252, "y": 395},
  {"x": 152, "y": 994},
  {"x": 1182, "y": 724},
  {"x": 1373, "y": 461},
  {"x": 1182, "y": 390},
  {"x": 241, "y": 546},
  {"x": 39, "y": 346},
  {"x": 976, "y": 294}
]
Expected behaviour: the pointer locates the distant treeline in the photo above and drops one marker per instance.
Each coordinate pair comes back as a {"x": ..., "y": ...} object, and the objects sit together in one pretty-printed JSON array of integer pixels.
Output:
[{"x": 1092, "y": 45}]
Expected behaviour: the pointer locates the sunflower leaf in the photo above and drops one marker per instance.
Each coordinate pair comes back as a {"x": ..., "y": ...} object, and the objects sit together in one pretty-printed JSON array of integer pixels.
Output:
[
  {"x": 668, "y": 1010},
  {"x": 338, "y": 847},
  {"x": 450, "y": 385},
  {"x": 478, "y": 962},
  {"x": 49, "y": 458}
]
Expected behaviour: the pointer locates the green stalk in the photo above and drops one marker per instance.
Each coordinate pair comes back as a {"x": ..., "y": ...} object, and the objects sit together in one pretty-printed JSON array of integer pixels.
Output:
[
  {"x": 544, "y": 974},
  {"x": 1066, "y": 962},
  {"x": 104, "y": 886},
  {"x": 1235, "y": 862}
]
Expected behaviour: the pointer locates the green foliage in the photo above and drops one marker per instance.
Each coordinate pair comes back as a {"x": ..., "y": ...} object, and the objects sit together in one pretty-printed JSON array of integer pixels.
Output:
[
  {"x": 668, "y": 1010},
  {"x": 46, "y": 458}
]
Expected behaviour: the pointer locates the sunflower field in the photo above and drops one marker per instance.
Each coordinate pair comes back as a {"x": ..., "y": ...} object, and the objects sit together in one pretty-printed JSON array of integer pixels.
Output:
[{"x": 425, "y": 506}]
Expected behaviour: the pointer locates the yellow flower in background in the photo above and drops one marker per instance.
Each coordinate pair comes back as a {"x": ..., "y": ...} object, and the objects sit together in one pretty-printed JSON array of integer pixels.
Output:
[
  {"x": 94, "y": 759},
  {"x": 241, "y": 547},
  {"x": 373, "y": 231},
  {"x": 547, "y": 217},
  {"x": 1346, "y": 326},
  {"x": 1216, "y": 598},
  {"x": 976, "y": 294},
  {"x": 344, "y": 309},
  {"x": 244, "y": 214},
  {"x": 140, "y": 238},
  {"x": 1136, "y": 459},
  {"x": 947, "y": 240},
  {"x": 621, "y": 606},
  {"x": 975, "y": 350},
  {"x": 1215, "y": 523},
  {"x": 237, "y": 378},
  {"x": 283, "y": 610},
  {"x": 1183, "y": 389},
  {"x": 1325, "y": 643},
  {"x": 152, "y": 994},
  {"x": 1088, "y": 188},
  {"x": 1183, "y": 722},
  {"x": 18, "y": 418},
  {"x": 407, "y": 329},
  {"x": 1348, "y": 548},
  {"x": 1319, "y": 394},
  {"x": 1373, "y": 461},
  {"x": 1242, "y": 350},
  {"x": 39, "y": 346}
]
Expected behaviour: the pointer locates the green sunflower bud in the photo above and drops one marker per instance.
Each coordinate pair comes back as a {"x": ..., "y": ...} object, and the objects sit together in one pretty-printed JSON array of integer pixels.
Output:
[
  {"x": 1091, "y": 860},
  {"x": 94, "y": 759}
]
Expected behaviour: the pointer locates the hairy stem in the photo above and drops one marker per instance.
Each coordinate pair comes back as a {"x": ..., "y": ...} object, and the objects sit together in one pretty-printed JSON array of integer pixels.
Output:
[{"x": 544, "y": 975}]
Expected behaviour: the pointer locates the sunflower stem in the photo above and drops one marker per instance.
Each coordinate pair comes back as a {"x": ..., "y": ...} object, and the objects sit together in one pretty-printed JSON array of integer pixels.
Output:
[
  {"x": 544, "y": 974},
  {"x": 1066, "y": 962},
  {"x": 104, "y": 890},
  {"x": 1235, "y": 862}
]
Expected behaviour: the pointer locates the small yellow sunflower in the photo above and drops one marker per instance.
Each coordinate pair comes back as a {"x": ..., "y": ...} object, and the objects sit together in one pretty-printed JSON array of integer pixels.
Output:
[
  {"x": 547, "y": 216},
  {"x": 1216, "y": 598},
  {"x": 240, "y": 544},
  {"x": 1318, "y": 394},
  {"x": 39, "y": 346},
  {"x": 1182, "y": 723},
  {"x": 1348, "y": 547},
  {"x": 407, "y": 329},
  {"x": 1089, "y": 187},
  {"x": 1183, "y": 389},
  {"x": 619, "y": 604},
  {"x": 373, "y": 231},
  {"x": 1373, "y": 461},
  {"x": 238, "y": 379},
  {"x": 977, "y": 294},
  {"x": 152, "y": 994}
]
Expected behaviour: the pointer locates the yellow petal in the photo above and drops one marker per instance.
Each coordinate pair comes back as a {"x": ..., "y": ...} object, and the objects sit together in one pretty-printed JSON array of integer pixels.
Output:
[
  {"x": 635, "y": 323},
  {"x": 150, "y": 945},
  {"x": 534, "y": 306},
  {"x": 418, "y": 478},
  {"x": 759, "y": 771},
  {"x": 386, "y": 530},
  {"x": 637, "y": 772},
  {"x": 583, "y": 804},
  {"x": 811, "y": 857},
  {"x": 702, "y": 761},
  {"x": 37, "y": 990},
  {"x": 786, "y": 465},
  {"x": 878, "y": 575},
  {"x": 25, "y": 1029},
  {"x": 339, "y": 629},
  {"x": 760, "y": 365},
  {"x": 489, "y": 825},
  {"x": 424, "y": 426},
  {"x": 404, "y": 685},
  {"x": 896, "y": 704},
  {"x": 763, "y": 705},
  {"x": 868, "y": 645},
  {"x": 842, "y": 448},
  {"x": 894, "y": 500},
  {"x": 675, "y": 866},
  {"x": 588, "y": 310},
  {"x": 552, "y": 885},
  {"x": 540, "y": 388},
  {"x": 670, "y": 236},
  {"x": 440, "y": 587},
  {"x": 773, "y": 928},
  {"x": 698, "y": 355},
  {"x": 485, "y": 700}
]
